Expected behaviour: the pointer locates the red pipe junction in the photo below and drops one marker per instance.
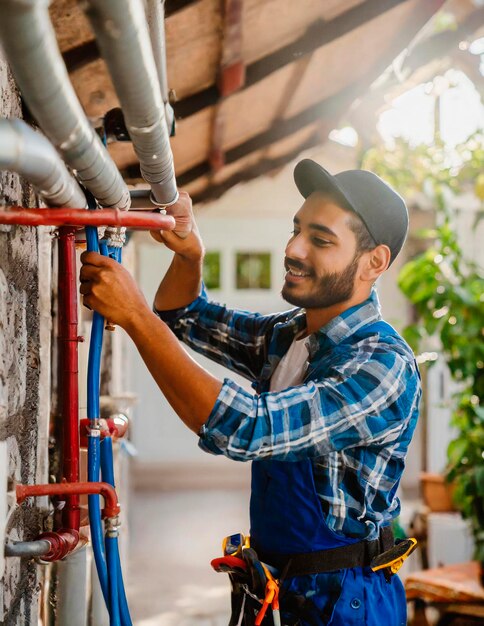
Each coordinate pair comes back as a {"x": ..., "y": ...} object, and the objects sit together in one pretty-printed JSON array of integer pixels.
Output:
[{"x": 111, "y": 504}]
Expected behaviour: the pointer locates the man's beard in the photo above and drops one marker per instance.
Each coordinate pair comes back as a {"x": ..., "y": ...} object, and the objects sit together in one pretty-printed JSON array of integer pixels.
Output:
[{"x": 330, "y": 289}]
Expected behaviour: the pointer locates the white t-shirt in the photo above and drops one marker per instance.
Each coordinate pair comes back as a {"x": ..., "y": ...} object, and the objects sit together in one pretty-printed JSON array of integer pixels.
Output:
[{"x": 292, "y": 367}]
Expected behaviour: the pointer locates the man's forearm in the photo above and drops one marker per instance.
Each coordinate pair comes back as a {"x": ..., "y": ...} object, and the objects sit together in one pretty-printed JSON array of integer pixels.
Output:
[
  {"x": 190, "y": 389},
  {"x": 181, "y": 284}
]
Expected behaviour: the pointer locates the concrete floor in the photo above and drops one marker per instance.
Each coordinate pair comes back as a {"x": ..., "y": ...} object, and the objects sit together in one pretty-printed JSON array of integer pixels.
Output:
[{"x": 173, "y": 537}]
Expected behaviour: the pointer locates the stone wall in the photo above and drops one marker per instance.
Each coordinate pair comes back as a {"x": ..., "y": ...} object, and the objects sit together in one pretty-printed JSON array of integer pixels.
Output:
[{"x": 25, "y": 324}]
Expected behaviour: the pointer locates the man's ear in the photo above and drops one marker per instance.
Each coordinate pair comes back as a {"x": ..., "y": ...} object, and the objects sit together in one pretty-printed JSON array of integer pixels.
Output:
[{"x": 375, "y": 262}]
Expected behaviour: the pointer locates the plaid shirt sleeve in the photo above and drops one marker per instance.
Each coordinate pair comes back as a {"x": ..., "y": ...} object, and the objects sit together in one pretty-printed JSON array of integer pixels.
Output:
[
  {"x": 367, "y": 396},
  {"x": 234, "y": 338}
]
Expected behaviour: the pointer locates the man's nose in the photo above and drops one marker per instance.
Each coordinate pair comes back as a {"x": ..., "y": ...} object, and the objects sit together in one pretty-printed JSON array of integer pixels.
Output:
[{"x": 297, "y": 247}]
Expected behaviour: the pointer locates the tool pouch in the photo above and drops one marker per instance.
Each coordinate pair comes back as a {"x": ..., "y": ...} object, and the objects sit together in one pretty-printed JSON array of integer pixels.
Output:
[{"x": 248, "y": 581}]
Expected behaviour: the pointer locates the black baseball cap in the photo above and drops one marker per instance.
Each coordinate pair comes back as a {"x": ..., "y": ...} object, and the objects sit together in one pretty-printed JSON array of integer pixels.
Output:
[{"x": 381, "y": 209}]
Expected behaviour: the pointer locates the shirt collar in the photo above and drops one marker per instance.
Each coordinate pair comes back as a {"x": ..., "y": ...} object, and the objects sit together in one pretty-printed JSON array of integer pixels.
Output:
[{"x": 350, "y": 321}]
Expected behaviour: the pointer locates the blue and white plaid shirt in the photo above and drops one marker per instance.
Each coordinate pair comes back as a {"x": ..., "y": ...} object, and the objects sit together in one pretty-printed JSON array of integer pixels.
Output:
[{"x": 354, "y": 414}]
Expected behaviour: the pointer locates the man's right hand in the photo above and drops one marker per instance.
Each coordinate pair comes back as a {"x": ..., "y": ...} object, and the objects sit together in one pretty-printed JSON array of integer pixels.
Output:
[{"x": 185, "y": 239}]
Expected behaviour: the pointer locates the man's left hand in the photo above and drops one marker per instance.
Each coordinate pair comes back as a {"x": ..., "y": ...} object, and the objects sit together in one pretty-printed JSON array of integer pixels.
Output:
[{"x": 109, "y": 289}]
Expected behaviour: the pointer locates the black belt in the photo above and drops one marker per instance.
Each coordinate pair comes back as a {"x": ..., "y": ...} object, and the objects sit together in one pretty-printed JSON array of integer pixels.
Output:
[{"x": 353, "y": 555}]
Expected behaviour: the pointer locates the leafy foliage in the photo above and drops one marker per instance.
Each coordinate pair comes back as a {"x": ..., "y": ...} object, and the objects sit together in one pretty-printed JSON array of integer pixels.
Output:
[{"x": 447, "y": 292}]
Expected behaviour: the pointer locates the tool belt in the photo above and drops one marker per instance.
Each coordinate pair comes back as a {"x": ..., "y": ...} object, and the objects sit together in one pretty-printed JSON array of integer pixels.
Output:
[
  {"x": 254, "y": 588},
  {"x": 359, "y": 554}
]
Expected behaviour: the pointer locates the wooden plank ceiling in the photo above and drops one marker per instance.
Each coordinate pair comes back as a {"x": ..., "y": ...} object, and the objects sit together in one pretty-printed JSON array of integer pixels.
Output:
[{"x": 256, "y": 81}]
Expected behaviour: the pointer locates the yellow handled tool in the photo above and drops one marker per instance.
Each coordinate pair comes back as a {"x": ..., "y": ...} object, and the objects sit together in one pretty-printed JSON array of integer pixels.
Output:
[
  {"x": 234, "y": 544},
  {"x": 392, "y": 560}
]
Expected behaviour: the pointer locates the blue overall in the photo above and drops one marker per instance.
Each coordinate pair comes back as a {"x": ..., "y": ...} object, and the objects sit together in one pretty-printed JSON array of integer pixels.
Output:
[{"x": 287, "y": 517}]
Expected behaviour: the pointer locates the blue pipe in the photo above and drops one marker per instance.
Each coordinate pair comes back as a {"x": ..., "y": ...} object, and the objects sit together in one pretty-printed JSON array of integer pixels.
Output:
[
  {"x": 112, "y": 560},
  {"x": 94, "y": 450},
  {"x": 94, "y": 366},
  {"x": 100, "y": 458},
  {"x": 107, "y": 471},
  {"x": 95, "y": 521}
]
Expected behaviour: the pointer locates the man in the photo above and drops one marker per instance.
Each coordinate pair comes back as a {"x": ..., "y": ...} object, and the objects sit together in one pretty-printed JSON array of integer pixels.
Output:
[{"x": 337, "y": 390}]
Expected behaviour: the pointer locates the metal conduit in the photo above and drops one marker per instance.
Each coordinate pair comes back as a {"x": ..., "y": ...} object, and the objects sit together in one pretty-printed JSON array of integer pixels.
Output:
[
  {"x": 31, "y": 48},
  {"x": 155, "y": 14},
  {"x": 122, "y": 33},
  {"x": 28, "y": 549},
  {"x": 31, "y": 155}
]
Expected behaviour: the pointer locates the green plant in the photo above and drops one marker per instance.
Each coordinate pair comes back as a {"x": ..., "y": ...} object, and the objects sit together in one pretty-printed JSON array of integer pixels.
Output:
[{"x": 447, "y": 292}]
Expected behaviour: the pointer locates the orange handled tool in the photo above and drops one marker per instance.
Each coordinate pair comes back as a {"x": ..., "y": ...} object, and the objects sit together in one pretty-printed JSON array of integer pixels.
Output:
[{"x": 271, "y": 598}]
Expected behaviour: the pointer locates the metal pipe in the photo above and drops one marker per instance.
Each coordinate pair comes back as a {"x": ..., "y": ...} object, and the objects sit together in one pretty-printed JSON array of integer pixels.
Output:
[
  {"x": 30, "y": 154},
  {"x": 30, "y": 45},
  {"x": 140, "y": 220},
  {"x": 68, "y": 369},
  {"x": 122, "y": 33},
  {"x": 155, "y": 15},
  {"x": 27, "y": 549},
  {"x": 111, "y": 504}
]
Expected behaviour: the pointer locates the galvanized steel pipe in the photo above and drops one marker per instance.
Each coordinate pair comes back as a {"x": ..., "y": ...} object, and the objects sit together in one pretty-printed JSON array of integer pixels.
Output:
[
  {"x": 122, "y": 33},
  {"x": 28, "y": 549},
  {"x": 30, "y": 45},
  {"x": 155, "y": 15},
  {"x": 31, "y": 155}
]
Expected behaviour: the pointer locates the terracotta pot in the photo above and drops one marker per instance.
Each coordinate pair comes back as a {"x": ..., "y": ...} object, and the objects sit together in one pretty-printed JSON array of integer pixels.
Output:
[{"x": 437, "y": 493}]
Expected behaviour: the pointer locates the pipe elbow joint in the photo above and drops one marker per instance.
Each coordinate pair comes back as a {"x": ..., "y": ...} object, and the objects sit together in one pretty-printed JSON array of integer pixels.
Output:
[{"x": 111, "y": 503}]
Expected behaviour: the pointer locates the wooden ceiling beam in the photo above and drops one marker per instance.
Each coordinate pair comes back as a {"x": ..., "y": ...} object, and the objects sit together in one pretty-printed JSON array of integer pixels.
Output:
[
  {"x": 327, "y": 107},
  {"x": 264, "y": 166},
  {"x": 88, "y": 52},
  {"x": 80, "y": 56},
  {"x": 336, "y": 103},
  {"x": 318, "y": 34},
  {"x": 330, "y": 108},
  {"x": 174, "y": 6},
  {"x": 281, "y": 129}
]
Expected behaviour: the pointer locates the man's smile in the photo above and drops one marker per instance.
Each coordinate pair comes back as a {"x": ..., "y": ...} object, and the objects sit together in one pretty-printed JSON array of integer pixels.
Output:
[
  {"x": 295, "y": 271},
  {"x": 295, "y": 275}
]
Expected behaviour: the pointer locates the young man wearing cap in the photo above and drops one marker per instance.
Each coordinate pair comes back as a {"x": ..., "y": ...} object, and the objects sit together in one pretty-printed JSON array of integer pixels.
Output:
[{"x": 336, "y": 391}]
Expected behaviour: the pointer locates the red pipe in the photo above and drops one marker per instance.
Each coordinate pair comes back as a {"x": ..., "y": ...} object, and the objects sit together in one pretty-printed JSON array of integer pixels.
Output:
[
  {"x": 107, "y": 491},
  {"x": 68, "y": 370},
  {"x": 142, "y": 220}
]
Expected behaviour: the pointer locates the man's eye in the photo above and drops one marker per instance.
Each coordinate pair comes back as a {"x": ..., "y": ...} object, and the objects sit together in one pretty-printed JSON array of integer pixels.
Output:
[
  {"x": 321, "y": 242},
  {"x": 294, "y": 232}
]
